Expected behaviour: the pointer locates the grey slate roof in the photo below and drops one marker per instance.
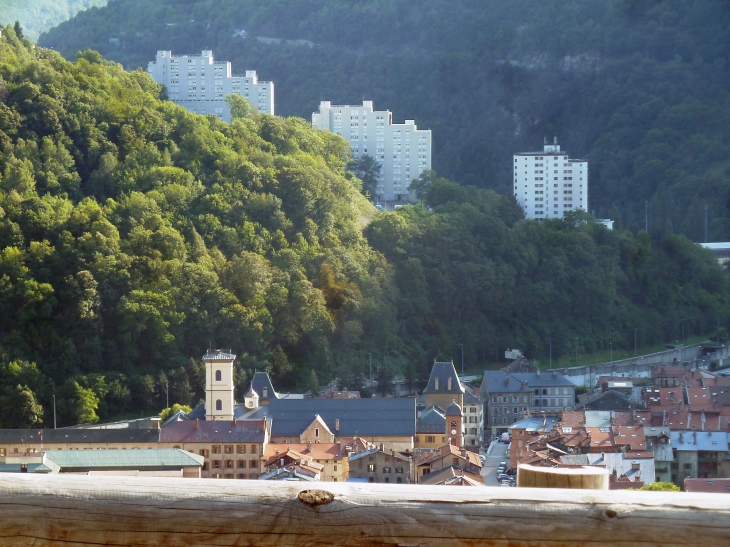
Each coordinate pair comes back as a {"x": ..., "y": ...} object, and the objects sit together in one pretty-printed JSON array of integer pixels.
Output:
[
  {"x": 221, "y": 431},
  {"x": 390, "y": 417},
  {"x": 535, "y": 424},
  {"x": 443, "y": 371},
  {"x": 36, "y": 436},
  {"x": 497, "y": 381},
  {"x": 715, "y": 441},
  {"x": 454, "y": 410},
  {"x": 157, "y": 458},
  {"x": 617, "y": 462},
  {"x": 432, "y": 420},
  {"x": 261, "y": 383},
  {"x": 607, "y": 400},
  {"x": 32, "y": 468},
  {"x": 470, "y": 398}
]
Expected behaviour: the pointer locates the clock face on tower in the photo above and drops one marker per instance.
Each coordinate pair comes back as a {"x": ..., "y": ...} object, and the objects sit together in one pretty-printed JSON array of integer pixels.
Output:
[
  {"x": 453, "y": 431},
  {"x": 249, "y": 404}
]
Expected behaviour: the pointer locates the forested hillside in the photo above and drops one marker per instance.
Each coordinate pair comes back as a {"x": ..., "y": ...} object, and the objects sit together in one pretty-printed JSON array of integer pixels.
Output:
[
  {"x": 134, "y": 235},
  {"x": 639, "y": 87},
  {"x": 37, "y": 16}
]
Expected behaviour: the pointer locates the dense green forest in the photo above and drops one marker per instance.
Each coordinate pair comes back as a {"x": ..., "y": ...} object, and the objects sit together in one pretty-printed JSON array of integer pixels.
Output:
[
  {"x": 638, "y": 87},
  {"x": 37, "y": 16},
  {"x": 134, "y": 235}
]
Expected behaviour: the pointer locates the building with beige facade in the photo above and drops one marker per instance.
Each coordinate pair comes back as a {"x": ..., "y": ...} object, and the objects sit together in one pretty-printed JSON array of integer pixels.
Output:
[{"x": 232, "y": 449}]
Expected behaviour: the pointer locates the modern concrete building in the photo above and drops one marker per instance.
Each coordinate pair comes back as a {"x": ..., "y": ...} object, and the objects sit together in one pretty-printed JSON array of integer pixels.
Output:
[
  {"x": 201, "y": 85},
  {"x": 547, "y": 184},
  {"x": 402, "y": 150}
]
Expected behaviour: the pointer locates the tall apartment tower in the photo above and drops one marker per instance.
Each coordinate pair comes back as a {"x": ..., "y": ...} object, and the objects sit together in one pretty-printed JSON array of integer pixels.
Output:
[
  {"x": 403, "y": 150},
  {"x": 219, "y": 384},
  {"x": 547, "y": 184},
  {"x": 201, "y": 85}
]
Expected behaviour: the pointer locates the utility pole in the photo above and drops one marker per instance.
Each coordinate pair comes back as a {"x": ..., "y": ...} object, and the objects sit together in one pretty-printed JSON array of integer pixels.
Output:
[
  {"x": 462, "y": 359},
  {"x": 371, "y": 368},
  {"x": 705, "y": 223},
  {"x": 646, "y": 215},
  {"x": 635, "y": 342},
  {"x": 610, "y": 344},
  {"x": 576, "y": 351},
  {"x": 167, "y": 392},
  {"x": 54, "y": 411},
  {"x": 551, "y": 352}
]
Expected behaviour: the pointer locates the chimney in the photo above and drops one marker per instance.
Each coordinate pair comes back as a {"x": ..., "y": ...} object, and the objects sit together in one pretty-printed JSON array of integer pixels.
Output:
[
  {"x": 538, "y": 372},
  {"x": 337, "y": 425},
  {"x": 234, "y": 420},
  {"x": 263, "y": 424},
  {"x": 555, "y": 373},
  {"x": 309, "y": 446},
  {"x": 197, "y": 424},
  {"x": 555, "y": 140}
]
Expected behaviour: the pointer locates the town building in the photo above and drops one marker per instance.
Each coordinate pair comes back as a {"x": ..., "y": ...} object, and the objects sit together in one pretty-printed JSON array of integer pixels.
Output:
[
  {"x": 473, "y": 418},
  {"x": 331, "y": 456},
  {"x": 380, "y": 465},
  {"x": 201, "y": 85},
  {"x": 157, "y": 462},
  {"x": 430, "y": 428},
  {"x": 452, "y": 476},
  {"x": 402, "y": 150},
  {"x": 448, "y": 455},
  {"x": 231, "y": 449},
  {"x": 548, "y": 184},
  {"x": 25, "y": 441},
  {"x": 710, "y": 486},
  {"x": 509, "y": 397}
]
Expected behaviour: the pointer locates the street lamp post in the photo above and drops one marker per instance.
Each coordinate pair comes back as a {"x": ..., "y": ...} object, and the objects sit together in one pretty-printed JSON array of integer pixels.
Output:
[
  {"x": 576, "y": 351},
  {"x": 610, "y": 344},
  {"x": 635, "y": 342},
  {"x": 462, "y": 359},
  {"x": 551, "y": 352}
]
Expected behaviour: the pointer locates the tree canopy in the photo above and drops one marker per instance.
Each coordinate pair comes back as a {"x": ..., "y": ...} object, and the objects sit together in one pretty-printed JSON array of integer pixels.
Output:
[
  {"x": 134, "y": 235},
  {"x": 637, "y": 87}
]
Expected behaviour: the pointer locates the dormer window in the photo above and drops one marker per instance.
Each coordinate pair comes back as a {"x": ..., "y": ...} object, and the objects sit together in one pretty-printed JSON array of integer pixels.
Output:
[
  {"x": 265, "y": 392},
  {"x": 448, "y": 383},
  {"x": 437, "y": 384}
]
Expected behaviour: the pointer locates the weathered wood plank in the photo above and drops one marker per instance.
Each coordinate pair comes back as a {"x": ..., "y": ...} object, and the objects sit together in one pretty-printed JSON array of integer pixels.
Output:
[
  {"x": 582, "y": 478},
  {"x": 60, "y": 510}
]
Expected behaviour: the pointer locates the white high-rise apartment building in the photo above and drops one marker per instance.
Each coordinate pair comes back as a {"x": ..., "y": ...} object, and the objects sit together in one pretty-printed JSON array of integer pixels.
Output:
[
  {"x": 548, "y": 183},
  {"x": 402, "y": 150},
  {"x": 201, "y": 85}
]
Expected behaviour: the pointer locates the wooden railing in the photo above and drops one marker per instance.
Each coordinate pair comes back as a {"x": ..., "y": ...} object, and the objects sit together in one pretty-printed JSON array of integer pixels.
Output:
[{"x": 85, "y": 510}]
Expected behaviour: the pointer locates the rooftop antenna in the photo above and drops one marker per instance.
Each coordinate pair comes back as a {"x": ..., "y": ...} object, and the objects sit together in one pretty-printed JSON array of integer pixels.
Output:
[
  {"x": 544, "y": 140},
  {"x": 555, "y": 140}
]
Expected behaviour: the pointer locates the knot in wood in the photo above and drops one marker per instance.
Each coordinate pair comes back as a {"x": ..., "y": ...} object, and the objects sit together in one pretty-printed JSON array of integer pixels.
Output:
[{"x": 316, "y": 497}]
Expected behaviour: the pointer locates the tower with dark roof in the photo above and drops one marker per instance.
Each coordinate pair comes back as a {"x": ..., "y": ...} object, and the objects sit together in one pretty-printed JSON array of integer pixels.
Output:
[{"x": 444, "y": 386}]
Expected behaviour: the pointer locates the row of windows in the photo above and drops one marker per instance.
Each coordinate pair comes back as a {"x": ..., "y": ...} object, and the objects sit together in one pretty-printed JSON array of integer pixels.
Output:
[{"x": 231, "y": 464}]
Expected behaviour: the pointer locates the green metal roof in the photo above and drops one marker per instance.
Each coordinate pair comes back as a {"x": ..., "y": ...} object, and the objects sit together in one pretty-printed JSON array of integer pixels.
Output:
[{"x": 134, "y": 459}]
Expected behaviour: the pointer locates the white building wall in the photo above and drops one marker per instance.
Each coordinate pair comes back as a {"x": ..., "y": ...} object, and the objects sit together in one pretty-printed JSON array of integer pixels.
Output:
[
  {"x": 547, "y": 184},
  {"x": 200, "y": 84},
  {"x": 403, "y": 150}
]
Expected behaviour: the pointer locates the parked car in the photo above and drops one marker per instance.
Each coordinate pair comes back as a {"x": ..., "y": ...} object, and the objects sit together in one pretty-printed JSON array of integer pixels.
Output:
[
  {"x": 482, "y": 458},
  {"x": 503, "y": 477}
]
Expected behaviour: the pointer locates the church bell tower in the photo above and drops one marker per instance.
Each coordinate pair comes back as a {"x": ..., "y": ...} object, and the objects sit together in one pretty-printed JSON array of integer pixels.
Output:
[{"x": 219, "y": 384}]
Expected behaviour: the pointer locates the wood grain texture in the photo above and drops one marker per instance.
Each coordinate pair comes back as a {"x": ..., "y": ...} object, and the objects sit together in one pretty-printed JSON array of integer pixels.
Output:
[
  {"x": 580, "y": 478},
  {"x": 60, "y": 510}
]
